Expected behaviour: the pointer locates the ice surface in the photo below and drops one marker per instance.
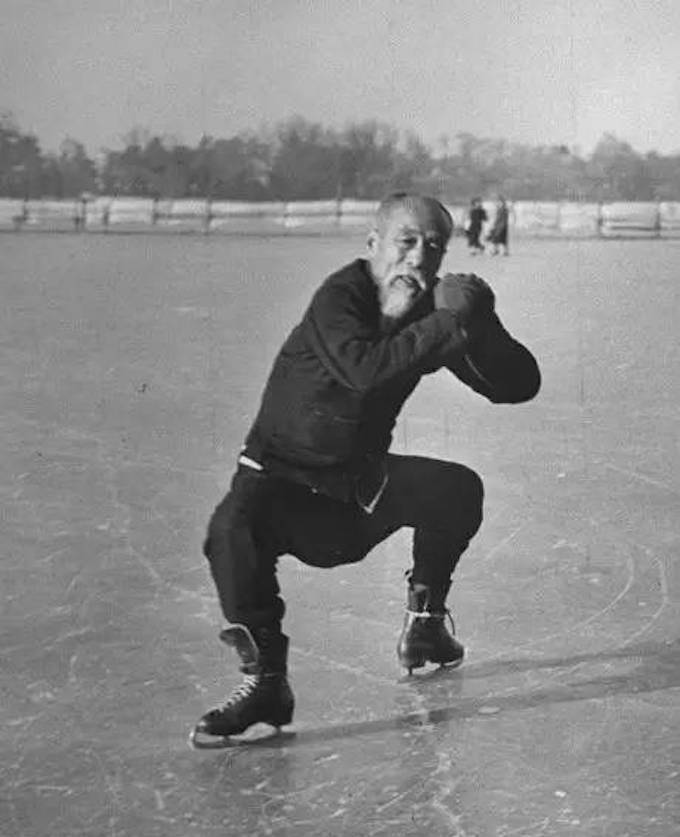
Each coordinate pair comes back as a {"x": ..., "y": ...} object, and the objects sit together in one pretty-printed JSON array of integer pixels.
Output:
[{"x": 131, "y": 368}]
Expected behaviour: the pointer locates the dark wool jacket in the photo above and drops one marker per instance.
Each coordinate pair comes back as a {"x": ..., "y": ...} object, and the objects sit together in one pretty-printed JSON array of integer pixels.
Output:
[{"x": 339, "y": 381}]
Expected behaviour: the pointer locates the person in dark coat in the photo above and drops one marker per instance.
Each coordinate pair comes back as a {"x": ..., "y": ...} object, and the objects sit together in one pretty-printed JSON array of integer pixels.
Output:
[
  {"x": 315, "y": 478},
  {"x": 473, "y": 228},
  {"x": 498, "y": 234}
]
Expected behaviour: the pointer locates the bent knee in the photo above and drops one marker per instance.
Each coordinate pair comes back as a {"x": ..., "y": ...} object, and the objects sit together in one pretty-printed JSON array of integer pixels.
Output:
[
  {"x": 470, "y": 499},
  {"x": 476, "y": 502},
  {"x": 476, "y": 489},
  {"x": 220, "y": 526}
]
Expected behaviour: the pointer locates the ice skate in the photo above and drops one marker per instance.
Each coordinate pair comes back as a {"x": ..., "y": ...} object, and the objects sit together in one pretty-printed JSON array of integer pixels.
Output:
[
  {"x": 425, "y": 637},
  {"x": 264, "y": 695}
]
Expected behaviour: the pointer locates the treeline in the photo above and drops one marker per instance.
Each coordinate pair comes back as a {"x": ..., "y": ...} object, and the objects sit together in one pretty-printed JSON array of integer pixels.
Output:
[{"x": 299, "y": 159}]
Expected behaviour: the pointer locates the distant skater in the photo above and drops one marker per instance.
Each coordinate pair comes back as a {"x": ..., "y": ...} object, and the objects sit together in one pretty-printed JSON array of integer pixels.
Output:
[
  {"x": 498, "y": 234},
  {"x": 473, "y": 229},
  {"x": 315, "y": 478}
]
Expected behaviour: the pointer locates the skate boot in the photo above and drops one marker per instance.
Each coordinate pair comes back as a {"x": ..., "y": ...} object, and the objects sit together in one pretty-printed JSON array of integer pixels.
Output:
[
  {"x": 425, "y": 636},
  {"x": 264, "y": 696}
]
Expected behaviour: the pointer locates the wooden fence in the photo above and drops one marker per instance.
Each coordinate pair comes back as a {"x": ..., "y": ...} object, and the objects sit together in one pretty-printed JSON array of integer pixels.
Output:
[{"x": 112, "y": 214}]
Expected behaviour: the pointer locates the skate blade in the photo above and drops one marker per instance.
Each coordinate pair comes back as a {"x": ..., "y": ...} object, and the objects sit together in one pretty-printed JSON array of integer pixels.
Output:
[
  {"x": 410, "y": 675},
  {"x": 452, "y": 664},
  {"x": 199, "y": 740}
]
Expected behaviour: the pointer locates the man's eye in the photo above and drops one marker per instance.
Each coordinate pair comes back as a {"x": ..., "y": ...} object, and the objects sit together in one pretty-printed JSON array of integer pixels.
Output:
[{"x": 433, "y": 245}]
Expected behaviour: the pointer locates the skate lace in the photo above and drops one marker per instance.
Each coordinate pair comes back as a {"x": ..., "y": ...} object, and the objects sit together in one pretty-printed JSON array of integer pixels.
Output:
[
  {"x": 427, "y": 614},
  {"x": 242, "y": 691}
]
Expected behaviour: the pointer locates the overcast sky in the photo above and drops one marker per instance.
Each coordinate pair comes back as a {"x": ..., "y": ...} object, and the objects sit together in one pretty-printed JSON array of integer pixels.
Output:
[{"x": 535, "y": 71}]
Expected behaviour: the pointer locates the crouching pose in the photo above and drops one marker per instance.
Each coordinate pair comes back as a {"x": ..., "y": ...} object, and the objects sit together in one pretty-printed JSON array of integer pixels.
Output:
[{"x": 315, "y": 478}]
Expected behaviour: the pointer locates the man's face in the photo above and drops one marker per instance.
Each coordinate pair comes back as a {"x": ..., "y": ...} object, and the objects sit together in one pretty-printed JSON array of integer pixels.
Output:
[{"x": 404, "y": 255}]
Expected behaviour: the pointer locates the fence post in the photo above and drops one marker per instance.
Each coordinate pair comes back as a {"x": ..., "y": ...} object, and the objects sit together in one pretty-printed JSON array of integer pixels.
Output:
[{"x": 207, "y": 218}]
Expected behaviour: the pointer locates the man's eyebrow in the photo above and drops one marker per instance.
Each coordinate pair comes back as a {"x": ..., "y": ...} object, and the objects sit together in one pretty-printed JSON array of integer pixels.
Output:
[{"x": 430, "y": 235}]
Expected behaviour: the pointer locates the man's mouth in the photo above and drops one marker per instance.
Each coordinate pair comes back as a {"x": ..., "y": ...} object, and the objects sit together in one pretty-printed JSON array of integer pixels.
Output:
[{"x": 410, "y": 282}]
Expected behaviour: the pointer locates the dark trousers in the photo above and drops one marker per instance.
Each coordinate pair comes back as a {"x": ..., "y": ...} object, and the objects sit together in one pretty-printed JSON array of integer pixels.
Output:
[
  {"x": 473, "y": 238},
  {"x": 263, "y": 517}
]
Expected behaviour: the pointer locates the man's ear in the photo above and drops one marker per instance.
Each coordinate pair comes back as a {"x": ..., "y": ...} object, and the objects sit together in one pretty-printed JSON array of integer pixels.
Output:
[{"x": 372, "y": 242}]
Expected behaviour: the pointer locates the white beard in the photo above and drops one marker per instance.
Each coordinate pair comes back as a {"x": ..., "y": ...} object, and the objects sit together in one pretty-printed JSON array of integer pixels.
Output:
[{"x": 396, "y": 301}]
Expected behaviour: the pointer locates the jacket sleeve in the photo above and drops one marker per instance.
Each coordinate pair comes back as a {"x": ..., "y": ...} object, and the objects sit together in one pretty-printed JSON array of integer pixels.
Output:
[
  {"x": 340, "y": 329},
  {"x": 497, "y": 366}
]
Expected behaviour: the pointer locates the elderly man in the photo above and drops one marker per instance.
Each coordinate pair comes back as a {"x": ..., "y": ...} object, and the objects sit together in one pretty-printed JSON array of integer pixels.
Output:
[{"x": 315, "y": 478}]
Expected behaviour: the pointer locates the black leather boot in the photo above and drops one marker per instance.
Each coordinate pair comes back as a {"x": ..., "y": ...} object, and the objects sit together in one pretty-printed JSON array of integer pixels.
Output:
[
  {"x": 264, "y": 695},
  {"x": 425, "y": 636}
]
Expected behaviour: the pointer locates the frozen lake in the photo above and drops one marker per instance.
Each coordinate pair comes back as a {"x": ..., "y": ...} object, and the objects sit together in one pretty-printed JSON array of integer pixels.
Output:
[{"x": 132, "y": 366}]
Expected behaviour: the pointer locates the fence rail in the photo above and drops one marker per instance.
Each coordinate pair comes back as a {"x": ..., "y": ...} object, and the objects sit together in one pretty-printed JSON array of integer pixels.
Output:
[{"x": 113, "y": 214}]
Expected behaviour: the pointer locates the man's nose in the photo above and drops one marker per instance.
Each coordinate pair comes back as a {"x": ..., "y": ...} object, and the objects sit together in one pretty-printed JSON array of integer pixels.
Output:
[{"x": 416, "y": 253}]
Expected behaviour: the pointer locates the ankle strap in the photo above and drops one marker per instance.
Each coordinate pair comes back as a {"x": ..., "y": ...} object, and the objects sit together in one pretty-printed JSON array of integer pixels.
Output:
[{"x": 428, "y": 614}]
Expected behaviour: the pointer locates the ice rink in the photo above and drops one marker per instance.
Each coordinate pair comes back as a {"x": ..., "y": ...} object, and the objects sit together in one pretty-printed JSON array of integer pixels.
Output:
[{"x": 131, "y": 367}]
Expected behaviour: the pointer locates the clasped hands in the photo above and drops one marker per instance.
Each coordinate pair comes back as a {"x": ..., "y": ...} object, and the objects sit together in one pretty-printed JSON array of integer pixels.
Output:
[{"x": 469, "y": 297}]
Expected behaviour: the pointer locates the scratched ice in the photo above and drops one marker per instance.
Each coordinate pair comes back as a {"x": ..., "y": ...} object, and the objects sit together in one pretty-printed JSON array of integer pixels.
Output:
[{"x": 131, "y": 368}]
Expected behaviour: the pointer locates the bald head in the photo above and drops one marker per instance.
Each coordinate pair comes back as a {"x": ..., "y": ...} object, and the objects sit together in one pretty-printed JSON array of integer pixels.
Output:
[{"x": 429, "y": 209}]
